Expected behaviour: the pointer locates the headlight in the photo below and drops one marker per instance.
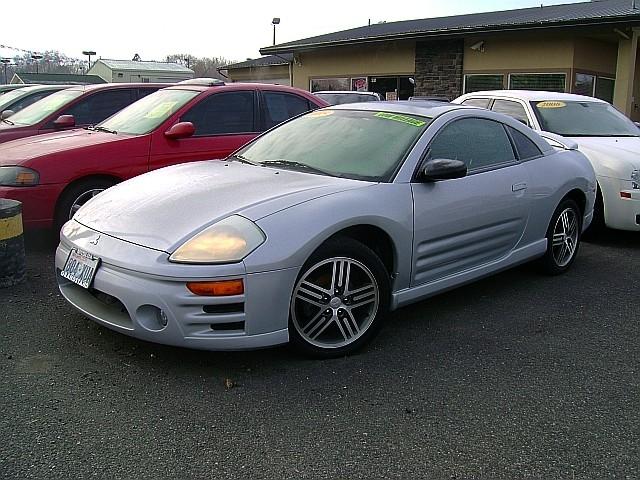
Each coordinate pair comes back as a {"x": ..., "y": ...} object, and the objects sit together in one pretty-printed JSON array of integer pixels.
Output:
[
  {"x": 635, "y": 178},
  {"x": 228, "y": 241},
  {"x": 18, "y": 177}
]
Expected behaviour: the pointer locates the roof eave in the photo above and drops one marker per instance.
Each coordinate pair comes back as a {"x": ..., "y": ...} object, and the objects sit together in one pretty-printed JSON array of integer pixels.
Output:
[{"x": 272, "y": 50}]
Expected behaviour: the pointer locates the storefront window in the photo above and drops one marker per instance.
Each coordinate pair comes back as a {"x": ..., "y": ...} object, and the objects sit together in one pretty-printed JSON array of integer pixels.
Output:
[
  {"x": 332, "y": 84},
  {"x": 481, "y": 82},
  {"x": 584, "y": 84},
  {"x": 604, "y": 89},
  {"x": 548, "y": 82},
  {"x": 392, "y": 88}
]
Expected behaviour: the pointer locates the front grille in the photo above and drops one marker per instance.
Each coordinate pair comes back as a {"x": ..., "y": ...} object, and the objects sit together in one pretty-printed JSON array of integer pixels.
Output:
[{"x": 224, "y": 308}]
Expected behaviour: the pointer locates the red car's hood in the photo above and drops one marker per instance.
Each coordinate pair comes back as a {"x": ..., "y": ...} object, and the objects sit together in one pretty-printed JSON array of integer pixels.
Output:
[
  {"x": 11, "y": 132},
  {"x": 24, "y": 149}
]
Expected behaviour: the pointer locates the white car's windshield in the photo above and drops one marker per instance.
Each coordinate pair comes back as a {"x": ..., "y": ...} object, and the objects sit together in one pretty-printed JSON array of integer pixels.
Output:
[
  {"x": 40, "y": 110},
  {"x": 583, "y": 119},
  {"x": 148, "y": 113},
  {"x": 371, "y": 144}
]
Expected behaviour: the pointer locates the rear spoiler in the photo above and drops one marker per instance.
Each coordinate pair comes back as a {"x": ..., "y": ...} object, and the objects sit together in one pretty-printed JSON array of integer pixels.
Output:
[{"x": 558, "y": 141}]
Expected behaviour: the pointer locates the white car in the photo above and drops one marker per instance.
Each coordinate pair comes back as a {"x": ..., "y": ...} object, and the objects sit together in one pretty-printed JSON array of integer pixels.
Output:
[{"x": 609, "y": 139}]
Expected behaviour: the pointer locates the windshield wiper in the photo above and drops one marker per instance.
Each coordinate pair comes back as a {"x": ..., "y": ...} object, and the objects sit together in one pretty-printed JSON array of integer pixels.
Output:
[
  {"x": 103, "y": 129},
  {"x": 244, "y": 159},
  {"x": 8, "y": 122},
  {"x": 295, "y": 165}
]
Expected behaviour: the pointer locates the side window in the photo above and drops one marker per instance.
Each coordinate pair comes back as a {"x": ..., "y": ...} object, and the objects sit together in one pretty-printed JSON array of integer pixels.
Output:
[
  {"x": 281, "y": 106},
  {"x": 477, "y": 102},
  {"x": 25, "y": 102},
  {"x": 99, "y": 106},
  {"x": 513, "y": 109},
  {"x": 478, "y": 142},
  {"x": 223, "y": 113},
  {"x": 526, "y": 148}
]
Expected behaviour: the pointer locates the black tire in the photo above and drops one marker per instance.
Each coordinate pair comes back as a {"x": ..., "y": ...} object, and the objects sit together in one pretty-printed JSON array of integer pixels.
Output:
[
  {"x": 72, "y": 194},
  {"x": 553, "y": 262},
  {"x": 363, "y": 266},
  {"x": 598, "y": 225}
]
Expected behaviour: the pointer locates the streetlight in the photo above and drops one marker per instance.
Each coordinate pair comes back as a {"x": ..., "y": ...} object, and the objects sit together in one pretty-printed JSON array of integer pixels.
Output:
[
  {"x": 274, "y": 22},
  {"x": 88, "y": 53},
  {"x": 5, "y": 61},
  {"x": 36, "y": 57}
]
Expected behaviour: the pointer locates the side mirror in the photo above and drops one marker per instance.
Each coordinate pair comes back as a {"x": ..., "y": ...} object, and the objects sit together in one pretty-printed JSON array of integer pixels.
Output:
[
  {"x": 442, "y": 169},
  {"x": 64, "y": 121},
  {"x": 180, "y": 130},
  {"x": 6, "y": 114},
  {"x": 637, "y": 124}
]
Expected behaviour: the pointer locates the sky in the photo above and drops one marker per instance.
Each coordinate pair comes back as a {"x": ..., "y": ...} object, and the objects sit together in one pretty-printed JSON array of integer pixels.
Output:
[{"x": 118, "y": 29}]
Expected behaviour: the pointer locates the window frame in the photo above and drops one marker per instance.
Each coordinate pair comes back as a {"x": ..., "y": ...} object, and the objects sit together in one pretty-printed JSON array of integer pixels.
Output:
[
  {"x": 537, "y": 73},
  {"x": 464, "y": 80},
  {"x": 262, "y": 108},
  {"x": 427, "y": 151},
  {"x": 256, "y": 117}
]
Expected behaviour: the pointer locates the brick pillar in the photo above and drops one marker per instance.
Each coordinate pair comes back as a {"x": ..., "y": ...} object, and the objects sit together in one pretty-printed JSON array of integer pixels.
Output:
[{"x": 439, "y": 68}]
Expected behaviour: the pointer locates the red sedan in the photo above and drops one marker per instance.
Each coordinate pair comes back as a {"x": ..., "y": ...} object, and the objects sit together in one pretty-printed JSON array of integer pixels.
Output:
[
  {"x": 55, "y": 174},
  {"x": 73, "y": 107}
]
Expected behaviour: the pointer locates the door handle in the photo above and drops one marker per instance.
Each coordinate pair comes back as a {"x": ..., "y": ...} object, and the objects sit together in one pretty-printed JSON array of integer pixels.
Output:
[{"x": 517, "y": 187}]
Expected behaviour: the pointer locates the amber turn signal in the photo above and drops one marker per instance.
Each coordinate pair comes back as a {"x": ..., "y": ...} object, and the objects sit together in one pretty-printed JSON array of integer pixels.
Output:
[{"x": 222, "y": 288}]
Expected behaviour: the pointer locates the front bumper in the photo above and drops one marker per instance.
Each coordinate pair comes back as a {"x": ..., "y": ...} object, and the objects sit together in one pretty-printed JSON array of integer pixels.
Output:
[
  {"x": 38, "y": 203},
  {"x": 130, "y": 301},
  {"x": 621, "y": 204}
]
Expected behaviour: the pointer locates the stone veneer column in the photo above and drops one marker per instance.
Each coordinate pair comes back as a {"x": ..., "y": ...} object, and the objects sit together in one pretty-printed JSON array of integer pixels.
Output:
[{"x": 439, "y": 68}]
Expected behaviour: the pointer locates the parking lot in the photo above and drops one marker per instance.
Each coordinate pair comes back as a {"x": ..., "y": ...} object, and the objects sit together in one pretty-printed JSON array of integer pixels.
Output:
[{"x": 517, "y": 376}]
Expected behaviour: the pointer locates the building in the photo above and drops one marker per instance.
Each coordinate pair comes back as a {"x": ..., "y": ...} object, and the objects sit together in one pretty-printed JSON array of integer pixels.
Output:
[
  {"x": 56, "y": 79},
  {"x": 119, "y": 71},
  {"x": 589, "y": 48},
  {"x": 270, "y": 69}
]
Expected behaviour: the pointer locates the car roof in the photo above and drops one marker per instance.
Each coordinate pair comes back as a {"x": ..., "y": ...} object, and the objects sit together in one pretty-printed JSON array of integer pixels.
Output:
[
  {"x": 234, "y": 86},
  {"x": 114, "y": 86},
  {"x": 44, "y": 88},
  {"x": 346, "y": 92},
  {"x": 533, "y": 96},
  {"x": 424, "y": 108}
]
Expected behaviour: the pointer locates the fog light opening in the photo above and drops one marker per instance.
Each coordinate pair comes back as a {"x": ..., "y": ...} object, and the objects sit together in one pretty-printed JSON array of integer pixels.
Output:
[{"x": 151, "y": 318}]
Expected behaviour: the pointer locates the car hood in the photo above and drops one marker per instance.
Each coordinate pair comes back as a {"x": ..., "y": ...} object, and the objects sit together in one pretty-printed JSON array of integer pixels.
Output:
[
  {"x": 607, "y": 150},
  {"x": 164, "y": 208},
  {"x": 24, "y": 149}
]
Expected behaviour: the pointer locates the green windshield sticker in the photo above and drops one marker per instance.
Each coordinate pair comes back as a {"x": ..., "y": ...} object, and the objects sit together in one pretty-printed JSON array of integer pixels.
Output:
[{"x": 401, "y": 118}]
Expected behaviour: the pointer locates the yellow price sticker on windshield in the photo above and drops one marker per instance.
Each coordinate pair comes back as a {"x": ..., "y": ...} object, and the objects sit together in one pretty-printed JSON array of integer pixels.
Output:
[
  {"x": 321, "y": 113},
  {"x": 161, "y": 110},
  {"x": 551, "y": 104}
]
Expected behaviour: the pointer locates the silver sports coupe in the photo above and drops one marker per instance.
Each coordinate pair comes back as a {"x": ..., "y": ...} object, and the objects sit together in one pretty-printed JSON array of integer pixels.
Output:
[{"x": 311, "y": 233}]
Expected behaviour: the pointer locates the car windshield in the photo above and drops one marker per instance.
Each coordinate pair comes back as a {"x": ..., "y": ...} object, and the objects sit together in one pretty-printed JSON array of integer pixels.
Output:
[
  {"x": 583, "y": 119},
  {"x": 340, "y": 98},
  {"x": 356, "y": 144},
  {"x": 146, "y": 114},
  {"x": 38, "y": 111},
  {"x": 9, "y": 97}
]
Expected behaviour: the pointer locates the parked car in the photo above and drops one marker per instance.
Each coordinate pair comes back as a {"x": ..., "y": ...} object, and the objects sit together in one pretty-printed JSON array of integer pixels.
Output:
[
  {"x": 608, "y": 138},
  {"x": 339, "y": 97},
  {"x": 73, "y": 107},
  {"x": 313, "y": 231},
  {"x": 12, "y": 86},
  {"x": 17, "y": 99},
  {"x": 54, "y": 174}
]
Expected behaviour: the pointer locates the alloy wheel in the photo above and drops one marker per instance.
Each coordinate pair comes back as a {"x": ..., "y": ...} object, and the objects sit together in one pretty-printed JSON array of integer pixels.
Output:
[
  {"x": 335, "y": 302},
  {"x": 565, "y": 237}
]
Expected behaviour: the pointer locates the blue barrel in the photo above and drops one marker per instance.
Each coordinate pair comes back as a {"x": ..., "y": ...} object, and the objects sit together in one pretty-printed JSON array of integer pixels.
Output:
[{"x": 12, "y": 255}]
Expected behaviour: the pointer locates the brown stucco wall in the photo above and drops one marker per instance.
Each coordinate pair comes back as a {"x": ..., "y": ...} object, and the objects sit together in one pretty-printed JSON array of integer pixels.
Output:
[
  {"x": 259, "y": 73},
  {"x": 388, "y": 58}
]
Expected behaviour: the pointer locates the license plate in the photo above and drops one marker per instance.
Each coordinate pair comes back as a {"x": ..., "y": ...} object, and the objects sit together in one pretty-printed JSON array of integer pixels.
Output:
[{"x": 80, "y": 268}]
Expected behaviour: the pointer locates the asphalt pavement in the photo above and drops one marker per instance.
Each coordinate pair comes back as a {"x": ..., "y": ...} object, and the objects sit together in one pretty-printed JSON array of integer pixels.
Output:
[{"x": 514, "y": 377}]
